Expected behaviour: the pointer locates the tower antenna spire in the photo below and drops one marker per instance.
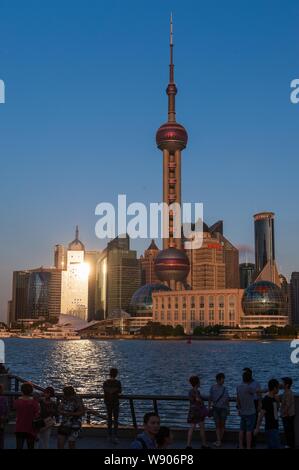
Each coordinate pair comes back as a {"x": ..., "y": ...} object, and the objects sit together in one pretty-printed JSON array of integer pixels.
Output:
[
  {"x": 77, "y": 232},
  {"x": 171, "y": 89}
]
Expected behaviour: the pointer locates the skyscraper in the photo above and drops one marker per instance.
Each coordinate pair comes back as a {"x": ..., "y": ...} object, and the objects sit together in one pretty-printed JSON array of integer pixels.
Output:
[
  {"x": 118, "y": 277},
  {"x": 172, "y": 264},
  {"x": 59, "y": 257},
  {"x": 264, "y": 240},
  {"x": 230, "y": 256},
  {"x": 91, "y": 258},
  {"x": 247, "y": 271},
  {"x": 36, "y": 294},
  {"x": 147, "y": 261},
  {"x": 20, "y": 290},
  {"x": 44, "y": 296},
  {"x": 74, "y": 292},
  {"x": 207, "y": 266}
]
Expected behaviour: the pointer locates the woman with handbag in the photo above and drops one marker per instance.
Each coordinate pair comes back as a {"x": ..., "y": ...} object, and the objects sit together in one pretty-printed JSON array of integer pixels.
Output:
[
  {"x": 71, "y": 409},
  {"x": 197, "y": 413},
  {"x": 48, "y": 413}
]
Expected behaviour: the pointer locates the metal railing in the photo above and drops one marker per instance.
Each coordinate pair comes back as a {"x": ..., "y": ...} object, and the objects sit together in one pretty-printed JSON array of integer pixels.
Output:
[{"x": 172, "y": 409}]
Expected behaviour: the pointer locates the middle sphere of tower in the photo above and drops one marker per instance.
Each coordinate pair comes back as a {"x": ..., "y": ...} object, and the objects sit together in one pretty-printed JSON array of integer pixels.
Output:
[
  {"x": 172, "y": 265},
  {"x": 171, "y": 136}
]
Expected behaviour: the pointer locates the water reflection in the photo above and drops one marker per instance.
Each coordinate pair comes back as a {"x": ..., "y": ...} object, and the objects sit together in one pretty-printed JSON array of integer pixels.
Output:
[{"x": 146, "y": 366}]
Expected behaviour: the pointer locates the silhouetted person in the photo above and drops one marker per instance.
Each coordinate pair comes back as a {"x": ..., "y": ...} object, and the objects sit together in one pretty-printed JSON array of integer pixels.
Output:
[
  {"x": 164, "y": 438},
  {"x": 28, "y": 409},
  {"x": 288, "y": 412},
  {"x": 3, "y": 415},
  {"x": 71, "y": 409},
  {"x": 269, "y": 411},
  {"x": 112, "y": 390}
]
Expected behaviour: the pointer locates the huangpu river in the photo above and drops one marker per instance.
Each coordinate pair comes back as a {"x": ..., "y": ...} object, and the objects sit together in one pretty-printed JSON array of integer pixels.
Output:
[{"x": 147, "y": 367}]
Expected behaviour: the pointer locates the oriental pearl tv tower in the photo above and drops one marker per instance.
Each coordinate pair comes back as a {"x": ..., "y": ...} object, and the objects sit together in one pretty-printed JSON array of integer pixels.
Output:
[{"x": 172, "y": 264}]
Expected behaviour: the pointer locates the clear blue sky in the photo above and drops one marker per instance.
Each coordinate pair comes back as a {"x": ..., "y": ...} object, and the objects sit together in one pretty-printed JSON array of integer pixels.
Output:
[{"x": 85, "y": 93}]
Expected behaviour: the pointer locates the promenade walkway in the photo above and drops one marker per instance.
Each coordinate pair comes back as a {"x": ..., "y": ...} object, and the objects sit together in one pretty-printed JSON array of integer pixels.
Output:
[{"x": 91, "y": 438}]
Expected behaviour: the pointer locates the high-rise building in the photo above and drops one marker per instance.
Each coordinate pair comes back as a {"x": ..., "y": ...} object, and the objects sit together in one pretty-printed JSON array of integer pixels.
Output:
[
  {"x": 147, "y": 261},
  {"x": 230, "y": 256},
  {"x": 264, "y": 240},
  {"x": 20, "y": 290},
  {"x": 207, "y": 266},
  {"x": 74, "y": 292},
  {"x": 92, "y": 258},
  {"x": 123, "y": 274},
  {"x": 44, "y": 296},
  {"x": 294, "y": 294},
  {"x": 59, "y": 257},
  {"x": 36, "y": 294},
  {"x": 247, "y": 271},
  {"x": 101, "y": 290},
  {"x": 215, "y": 265},
  {"x": 118, "y": 277}
]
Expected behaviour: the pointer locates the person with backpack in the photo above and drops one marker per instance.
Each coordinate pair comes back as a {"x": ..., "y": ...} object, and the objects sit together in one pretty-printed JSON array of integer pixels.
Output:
[
  {"x": 219, "y": 398},
  {"x": 112, "y": 390},
  {"x": 71, "y": 410},
  {"x": 151, "y": 427}
]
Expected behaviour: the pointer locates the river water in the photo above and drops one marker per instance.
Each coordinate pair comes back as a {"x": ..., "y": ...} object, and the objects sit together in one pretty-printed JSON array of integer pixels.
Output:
[{"x": 147, "y": 367}]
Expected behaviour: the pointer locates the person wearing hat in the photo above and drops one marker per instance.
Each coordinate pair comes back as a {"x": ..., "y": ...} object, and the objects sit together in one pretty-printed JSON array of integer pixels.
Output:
[{"x": 288, "y": 412}]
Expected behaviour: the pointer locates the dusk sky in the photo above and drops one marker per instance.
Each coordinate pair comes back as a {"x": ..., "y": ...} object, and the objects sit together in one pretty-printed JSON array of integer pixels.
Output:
[{"x": 85, "y": 94}]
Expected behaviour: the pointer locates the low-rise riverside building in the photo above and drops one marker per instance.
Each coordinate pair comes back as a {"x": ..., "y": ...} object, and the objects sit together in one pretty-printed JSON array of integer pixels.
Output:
[{"x": 191, "y": 308}]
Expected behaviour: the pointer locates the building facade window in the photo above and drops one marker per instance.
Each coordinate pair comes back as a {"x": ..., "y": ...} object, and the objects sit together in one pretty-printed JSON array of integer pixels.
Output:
[
  {"x": 221, "y": 301},
  {"x": 202, "y": 315},
  {"x": 211, "y": 301},
  {"x": 176, "y": 315},
  {"x": 232, "y": 300},
  {"x": 211, "y": 315},
  {"x": 202, "y": 302}
]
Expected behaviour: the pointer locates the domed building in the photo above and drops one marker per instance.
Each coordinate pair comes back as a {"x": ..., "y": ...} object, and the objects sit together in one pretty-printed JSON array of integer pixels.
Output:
[
  {"x": 264, "y": 304},
  {"x": 142, "y": 302}
]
